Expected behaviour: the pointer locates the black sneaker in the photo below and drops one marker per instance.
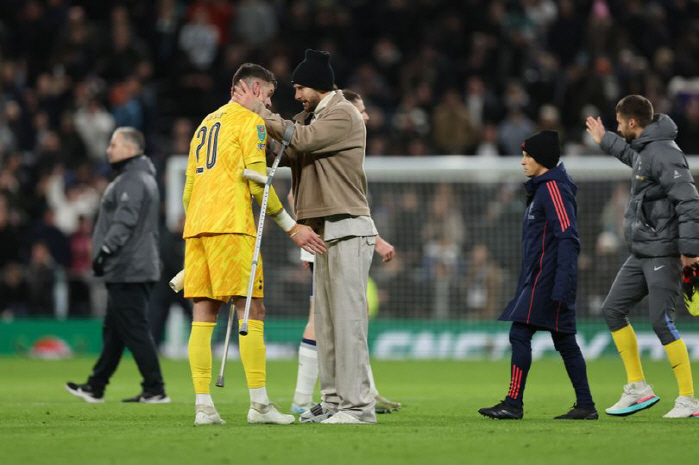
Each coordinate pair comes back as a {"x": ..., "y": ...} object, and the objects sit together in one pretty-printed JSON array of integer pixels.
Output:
[
  {"x": 503, "y": 411},
  {"x": 148, "y": 398},
  {"x": 579, "y": 413},
  {"x": 85, "y": 392}
]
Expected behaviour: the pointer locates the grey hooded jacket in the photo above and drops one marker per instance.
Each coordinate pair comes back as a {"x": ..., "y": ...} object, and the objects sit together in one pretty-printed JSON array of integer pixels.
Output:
[
  {"x": 662, "y": 217},
  {"x": 127, "y": 224}
]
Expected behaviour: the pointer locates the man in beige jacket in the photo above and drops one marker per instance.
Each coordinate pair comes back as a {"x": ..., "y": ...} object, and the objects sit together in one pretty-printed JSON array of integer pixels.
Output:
[{"x": 326, "y": 157}]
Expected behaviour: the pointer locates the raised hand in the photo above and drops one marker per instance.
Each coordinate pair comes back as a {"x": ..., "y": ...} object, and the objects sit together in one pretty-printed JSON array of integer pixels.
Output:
[{"x": 595, "y": 128}]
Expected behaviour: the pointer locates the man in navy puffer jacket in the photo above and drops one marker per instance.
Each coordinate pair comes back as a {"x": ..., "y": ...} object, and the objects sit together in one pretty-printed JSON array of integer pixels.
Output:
[{"x": 545, "y": 295}]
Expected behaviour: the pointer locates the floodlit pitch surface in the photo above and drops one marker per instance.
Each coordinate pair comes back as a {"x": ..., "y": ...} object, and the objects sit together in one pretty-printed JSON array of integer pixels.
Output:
[{"x": 41, "y": 423}]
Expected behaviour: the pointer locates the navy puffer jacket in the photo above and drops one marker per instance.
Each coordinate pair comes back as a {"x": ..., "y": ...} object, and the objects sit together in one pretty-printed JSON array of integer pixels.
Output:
[{"x": 547, "y": 285}]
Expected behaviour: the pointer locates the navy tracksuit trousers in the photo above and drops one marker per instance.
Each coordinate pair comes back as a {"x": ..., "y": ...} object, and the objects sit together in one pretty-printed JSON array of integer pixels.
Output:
[{"x": 521, "y": 340}]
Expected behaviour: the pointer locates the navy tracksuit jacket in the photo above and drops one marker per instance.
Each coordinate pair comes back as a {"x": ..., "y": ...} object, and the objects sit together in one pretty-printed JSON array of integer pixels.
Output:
[{"x": 545, "y": 295}]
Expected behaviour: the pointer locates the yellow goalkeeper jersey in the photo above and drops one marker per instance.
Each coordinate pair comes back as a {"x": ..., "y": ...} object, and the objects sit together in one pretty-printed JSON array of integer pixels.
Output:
[{"x": 217, "y": 197}]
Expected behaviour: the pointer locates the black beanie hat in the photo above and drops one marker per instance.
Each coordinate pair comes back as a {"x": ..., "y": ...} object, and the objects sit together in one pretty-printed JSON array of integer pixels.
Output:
[
  {"x": 544, "y": 147},
  {"x": 315, "y": 71}
]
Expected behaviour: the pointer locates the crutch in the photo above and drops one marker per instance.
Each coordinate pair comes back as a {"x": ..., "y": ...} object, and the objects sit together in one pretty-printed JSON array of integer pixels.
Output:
[{"x": 243, "y": 330}]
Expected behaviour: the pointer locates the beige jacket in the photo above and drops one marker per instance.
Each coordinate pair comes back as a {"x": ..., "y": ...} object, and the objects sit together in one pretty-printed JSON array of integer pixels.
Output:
[{"x": 326, "y": 160}]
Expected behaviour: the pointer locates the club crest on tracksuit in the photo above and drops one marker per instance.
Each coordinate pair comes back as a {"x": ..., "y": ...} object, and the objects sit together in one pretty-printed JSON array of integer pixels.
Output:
[{"x": 261, "y": 133}]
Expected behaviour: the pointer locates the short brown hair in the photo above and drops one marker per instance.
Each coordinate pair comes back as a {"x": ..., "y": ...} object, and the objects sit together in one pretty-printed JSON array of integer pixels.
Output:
[
  {"x": 636, "y": 107},
  {"x": 251, "y": 70},
  {"x": 351, "y": 95}
]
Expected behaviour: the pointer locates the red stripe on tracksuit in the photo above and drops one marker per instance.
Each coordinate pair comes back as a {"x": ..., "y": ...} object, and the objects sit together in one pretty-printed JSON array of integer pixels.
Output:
[
  {"x": 558, "y": 204},
  {"x": 541, "y": 268},
  {"x": 512, "y": 381},
  {"x": 516, "y": 382}
]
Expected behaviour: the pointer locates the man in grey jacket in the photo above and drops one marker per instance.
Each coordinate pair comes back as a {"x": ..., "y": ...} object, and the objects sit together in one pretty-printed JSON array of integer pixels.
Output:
[
  {"x": 125, "y": 251},
  {"x": 661, "y": 225}
]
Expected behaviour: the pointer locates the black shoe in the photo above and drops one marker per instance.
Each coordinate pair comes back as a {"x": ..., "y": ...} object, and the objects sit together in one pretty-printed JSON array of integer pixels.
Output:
[
  {"x": 85, "y": 392},
  {"x": 579, "y": 413},
  {"x": 503, "y": 411},
  {"x": 148, "y": 398}
]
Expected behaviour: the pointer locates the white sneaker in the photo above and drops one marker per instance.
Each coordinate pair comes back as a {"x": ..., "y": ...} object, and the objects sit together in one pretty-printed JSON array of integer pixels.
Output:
[
  {"x": 260, "y": 413},
  {"x": 685, "y": 407},
  {"x": 316, "y": 414},
  {"x": 207, "y": 415},
  {"x": 636, "y": 397},
  {"x": 344, "y": 418}
]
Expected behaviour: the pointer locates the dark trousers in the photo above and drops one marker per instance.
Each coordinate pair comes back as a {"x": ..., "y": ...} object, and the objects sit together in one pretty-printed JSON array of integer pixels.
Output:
[
  {"x": 161, "y": 300},
  {"x": 126, "y": 325},
  {"x": 521, "y": 339}
]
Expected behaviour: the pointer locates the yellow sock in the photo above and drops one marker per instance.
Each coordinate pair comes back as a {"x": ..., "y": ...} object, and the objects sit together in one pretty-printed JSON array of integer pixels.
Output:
[
  {"x": 626, "y": 344},
  {"x": 679, "y": 359},
  {"x": 253, "y": 354},
  {"x": 200, "y": 356}
]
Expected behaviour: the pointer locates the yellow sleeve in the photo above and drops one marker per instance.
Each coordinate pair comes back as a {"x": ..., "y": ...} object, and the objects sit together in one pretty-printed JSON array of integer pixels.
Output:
[
  {"x": 253, "y": 141},
  {"x": 274, "y": 205},
  {"x": 189, "y": 182}
]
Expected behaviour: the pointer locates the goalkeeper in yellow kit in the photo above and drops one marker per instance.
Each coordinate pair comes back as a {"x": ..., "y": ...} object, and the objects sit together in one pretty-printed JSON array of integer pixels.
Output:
[{"x": 219, "y": 238}]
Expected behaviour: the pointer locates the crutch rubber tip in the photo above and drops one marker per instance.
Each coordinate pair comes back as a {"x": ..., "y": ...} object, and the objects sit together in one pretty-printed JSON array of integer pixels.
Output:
[
  {"x": 219, "y": 382},
  {"x": 243, "y": 333}
]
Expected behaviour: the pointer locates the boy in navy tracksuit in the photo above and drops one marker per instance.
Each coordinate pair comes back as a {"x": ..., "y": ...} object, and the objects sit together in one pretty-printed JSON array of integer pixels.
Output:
[{"x": 545, "y": 296}]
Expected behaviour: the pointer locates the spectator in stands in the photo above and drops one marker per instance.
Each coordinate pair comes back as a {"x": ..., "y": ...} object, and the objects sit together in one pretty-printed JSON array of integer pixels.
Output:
[
  {"x": 9, "y": 236},
  {"x": 514, "y": 129},
  {"x": 95, "y": 125},
  {"x": 79, "y": 274},
  {"x": 688, "y": 127},
  {"x": 41, "y": 280},
  {"x": 14, "y": 292},
  {"x": 483, "y": 283},
  {"x": 199, "y": 40},
  {"x": 444, "y": 234},
  {"x": 452, "y": 129},
  {"x": 488, "y": 145}
]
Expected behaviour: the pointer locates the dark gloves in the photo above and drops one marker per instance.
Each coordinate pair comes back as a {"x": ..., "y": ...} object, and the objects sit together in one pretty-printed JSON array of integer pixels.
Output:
[
  {"x": 98, "y": 262},
  {"x": 690, "y": 278}
]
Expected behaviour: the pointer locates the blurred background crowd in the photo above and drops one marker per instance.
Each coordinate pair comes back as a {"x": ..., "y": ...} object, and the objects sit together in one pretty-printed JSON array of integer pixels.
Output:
[{"x": 442, "y": 77}]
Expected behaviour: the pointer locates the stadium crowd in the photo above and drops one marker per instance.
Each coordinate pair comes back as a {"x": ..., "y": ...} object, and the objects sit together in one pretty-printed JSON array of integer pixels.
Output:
[{"x": 438, "y": 77}]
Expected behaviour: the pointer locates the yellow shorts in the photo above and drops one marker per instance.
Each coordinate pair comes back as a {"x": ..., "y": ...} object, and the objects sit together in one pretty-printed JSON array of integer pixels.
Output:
[{"x": 218, "y": 267}]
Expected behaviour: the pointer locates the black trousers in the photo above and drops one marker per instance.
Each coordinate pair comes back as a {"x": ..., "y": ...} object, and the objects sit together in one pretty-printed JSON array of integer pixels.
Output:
[
  {"x": 521, "y": 335},
  {"x": 161, "y": 300},
  {"x": 126, "y": 326}
]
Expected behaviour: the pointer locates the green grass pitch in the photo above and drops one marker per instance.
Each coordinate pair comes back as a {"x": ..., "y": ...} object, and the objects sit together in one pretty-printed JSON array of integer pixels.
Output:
[{"x": 40, "y": 423}]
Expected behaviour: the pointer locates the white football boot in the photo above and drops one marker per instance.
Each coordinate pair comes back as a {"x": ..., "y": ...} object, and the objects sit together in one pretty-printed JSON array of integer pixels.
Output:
[
  {"x": 685, "y": 407},
  {"x": 344, "y": 418},
  {"x": 207, "y": 415},
  {"x": 636, "y": 397},
  {"x": 268, "y": 414}
]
